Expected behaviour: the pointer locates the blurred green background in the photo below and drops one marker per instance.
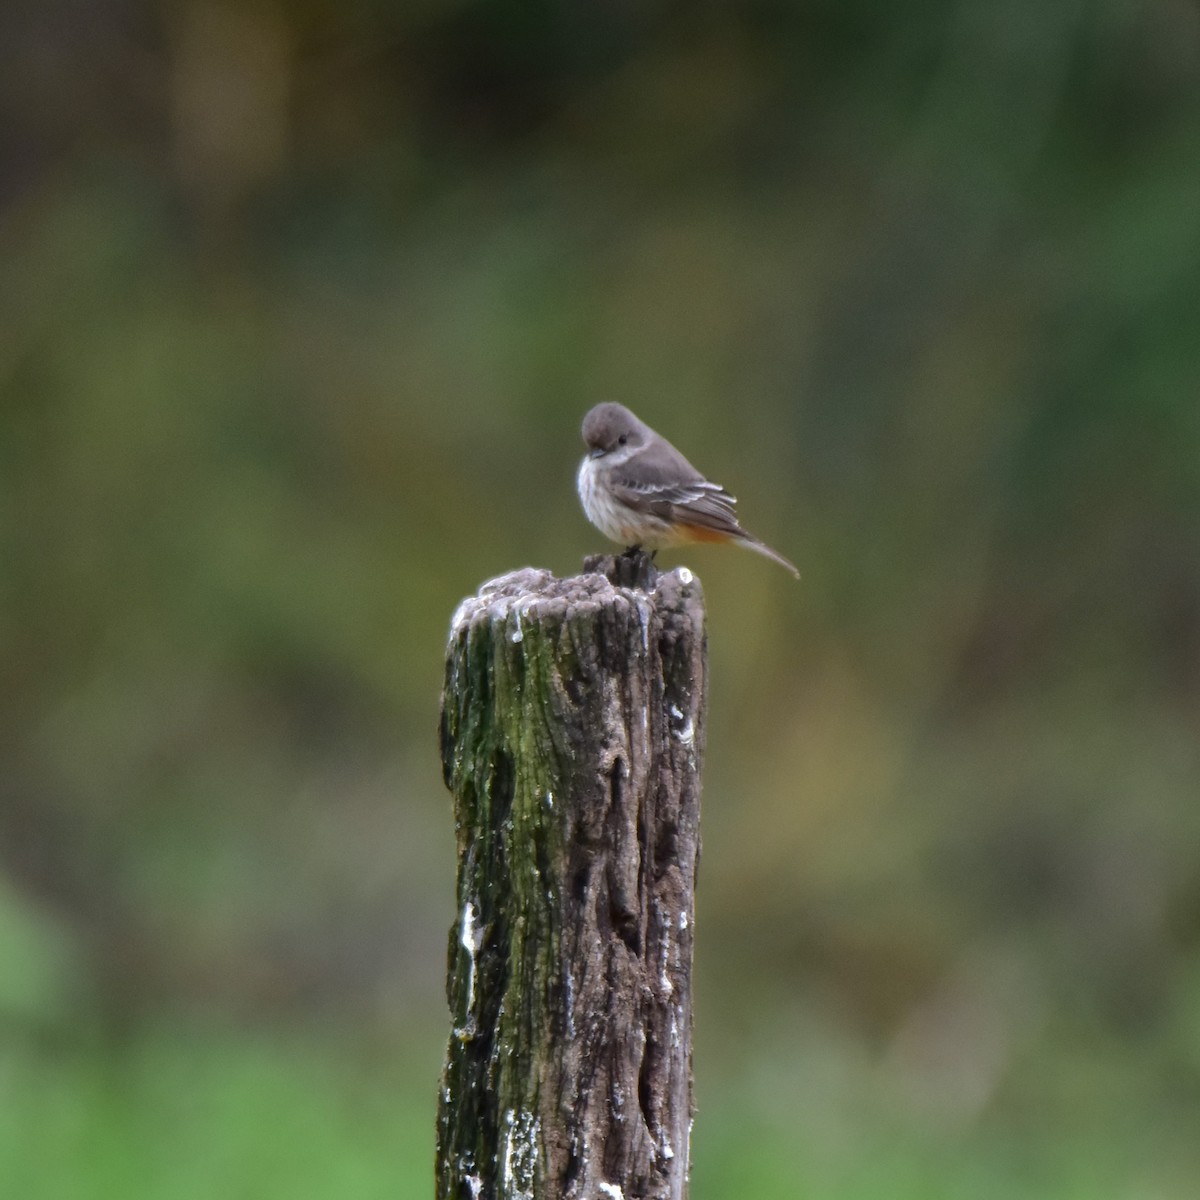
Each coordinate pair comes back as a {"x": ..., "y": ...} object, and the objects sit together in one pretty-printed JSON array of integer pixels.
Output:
[{"x": 302, "y": 304}]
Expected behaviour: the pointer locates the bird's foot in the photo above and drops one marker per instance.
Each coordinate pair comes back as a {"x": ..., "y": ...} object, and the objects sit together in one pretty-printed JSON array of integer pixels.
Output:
[{"x": 633, "y": 568}]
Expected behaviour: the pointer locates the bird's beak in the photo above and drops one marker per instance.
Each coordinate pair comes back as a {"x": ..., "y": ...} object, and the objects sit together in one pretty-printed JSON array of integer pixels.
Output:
[{"x": 598, "y": 452}]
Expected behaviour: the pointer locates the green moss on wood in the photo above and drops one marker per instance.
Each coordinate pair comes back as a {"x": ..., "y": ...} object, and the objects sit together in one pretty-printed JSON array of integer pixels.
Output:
[{"x": 559, "y": 694}]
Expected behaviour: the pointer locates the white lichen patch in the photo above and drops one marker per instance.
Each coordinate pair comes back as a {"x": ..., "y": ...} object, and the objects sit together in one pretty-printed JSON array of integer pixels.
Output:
[
  {"x": 612, "y": 1190},
  {"x": 685, "y": 731},
  {"x": 664, "y": 954},
  {"x": 463, "y": 614},
  {"x": 522, "y": 609},
  {"x": 470, "y": 939},
  {"x": 645, "y": 613},
  {"x": 520, "y": 1155},
  {"x": 465, "y": 1166},
  {"x": 685, "y": 576},
  {"x": 521, "y": 591}
]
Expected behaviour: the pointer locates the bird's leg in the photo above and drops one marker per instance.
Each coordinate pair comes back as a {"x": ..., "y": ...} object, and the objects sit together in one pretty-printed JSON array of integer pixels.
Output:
[{"x": 633, "y": 567}]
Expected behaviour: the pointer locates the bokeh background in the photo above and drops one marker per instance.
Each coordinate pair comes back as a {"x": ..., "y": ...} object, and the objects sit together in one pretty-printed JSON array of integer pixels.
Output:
[{"x": 302, "y": 304}]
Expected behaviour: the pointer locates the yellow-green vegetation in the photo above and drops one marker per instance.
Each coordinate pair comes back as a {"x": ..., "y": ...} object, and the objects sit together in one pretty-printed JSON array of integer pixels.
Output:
[{"x": 189, "y": 1114}]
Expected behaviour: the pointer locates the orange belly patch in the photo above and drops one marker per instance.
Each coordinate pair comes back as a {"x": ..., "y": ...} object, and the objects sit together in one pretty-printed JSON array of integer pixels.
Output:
[{"x": 704, "y": 533}]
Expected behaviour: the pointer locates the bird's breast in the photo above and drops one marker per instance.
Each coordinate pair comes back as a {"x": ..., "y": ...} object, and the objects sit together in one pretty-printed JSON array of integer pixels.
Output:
[{"x": 614, "y": 519}]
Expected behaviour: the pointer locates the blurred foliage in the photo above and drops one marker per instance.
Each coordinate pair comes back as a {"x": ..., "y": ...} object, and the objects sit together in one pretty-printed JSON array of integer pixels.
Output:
[{"x": 300, "y": 307}]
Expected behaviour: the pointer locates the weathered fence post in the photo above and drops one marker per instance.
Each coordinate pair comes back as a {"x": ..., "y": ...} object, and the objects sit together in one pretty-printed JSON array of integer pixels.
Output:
[{"x": 572, "y": 734}]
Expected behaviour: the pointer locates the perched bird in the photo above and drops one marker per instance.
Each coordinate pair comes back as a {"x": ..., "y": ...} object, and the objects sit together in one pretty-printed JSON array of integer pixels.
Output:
[{"x": 637, "y": 489}]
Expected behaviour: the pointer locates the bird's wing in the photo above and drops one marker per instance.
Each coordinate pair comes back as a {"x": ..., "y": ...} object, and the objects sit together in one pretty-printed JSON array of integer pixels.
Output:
[{"x": 694, "y": 502}]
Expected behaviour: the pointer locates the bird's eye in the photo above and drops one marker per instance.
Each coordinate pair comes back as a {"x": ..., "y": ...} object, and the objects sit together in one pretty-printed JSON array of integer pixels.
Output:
[{"x": 622, "y": 440}]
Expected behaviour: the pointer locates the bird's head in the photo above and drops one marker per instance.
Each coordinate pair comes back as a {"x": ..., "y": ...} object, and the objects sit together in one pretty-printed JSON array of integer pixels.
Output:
[{"x": 610, "y": 427}]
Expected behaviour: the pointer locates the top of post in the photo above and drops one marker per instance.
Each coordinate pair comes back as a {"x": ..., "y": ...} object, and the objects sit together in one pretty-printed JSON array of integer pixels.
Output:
[{"x": 606, "y": 579}]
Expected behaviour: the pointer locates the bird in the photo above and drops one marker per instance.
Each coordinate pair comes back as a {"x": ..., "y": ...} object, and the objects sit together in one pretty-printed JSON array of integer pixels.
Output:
[{"x": 638, "y": 490}]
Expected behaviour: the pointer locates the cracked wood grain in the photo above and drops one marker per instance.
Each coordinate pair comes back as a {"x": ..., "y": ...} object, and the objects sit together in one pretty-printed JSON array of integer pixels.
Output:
[{"x": 572, "y": 734}]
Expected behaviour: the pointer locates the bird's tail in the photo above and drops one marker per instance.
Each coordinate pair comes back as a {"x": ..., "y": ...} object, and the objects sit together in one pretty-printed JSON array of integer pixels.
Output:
[{"x": 752, "y": 543}]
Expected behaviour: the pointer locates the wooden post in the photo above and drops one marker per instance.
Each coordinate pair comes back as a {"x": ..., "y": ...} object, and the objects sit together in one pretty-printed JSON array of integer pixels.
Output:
[{"x": 572, "y": 735}]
